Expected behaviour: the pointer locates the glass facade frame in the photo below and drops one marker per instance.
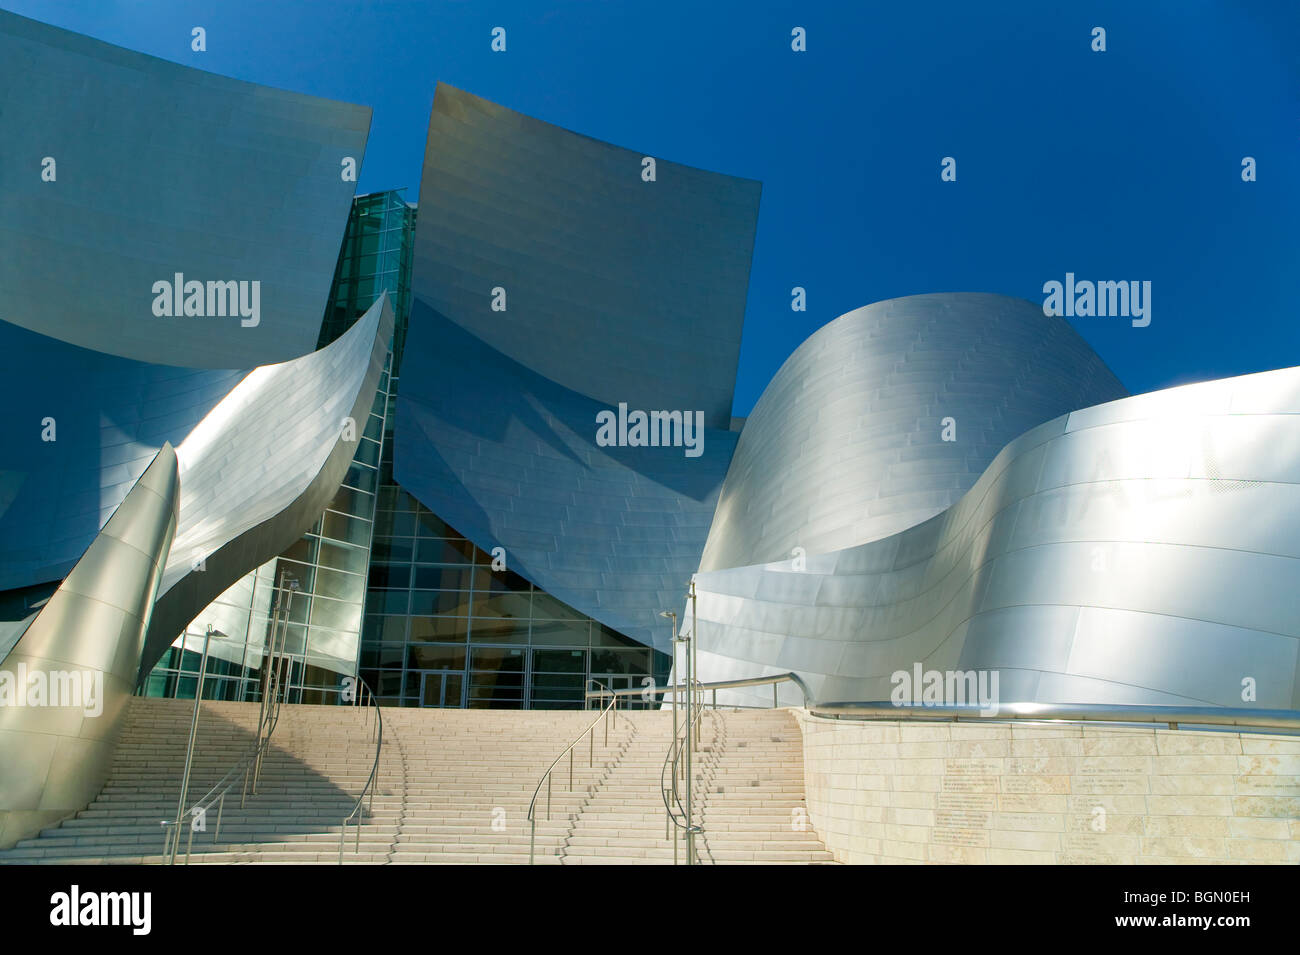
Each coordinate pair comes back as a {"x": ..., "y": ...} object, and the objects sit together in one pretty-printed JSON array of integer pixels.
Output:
[{"x": 422, "y": 614}]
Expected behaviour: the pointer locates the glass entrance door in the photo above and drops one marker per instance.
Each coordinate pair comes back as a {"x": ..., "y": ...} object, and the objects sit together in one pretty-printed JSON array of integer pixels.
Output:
[
  {"x": 556, "y": 678},
  {"x": 442, "y": 688},
  {"x": 628, "y": 681}
]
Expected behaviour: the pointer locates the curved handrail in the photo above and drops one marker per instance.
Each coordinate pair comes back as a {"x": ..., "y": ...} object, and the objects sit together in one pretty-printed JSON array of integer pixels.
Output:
[
  {"x": 674, "y": 688},
  {"x": 532, "y": 805},
  {"x": 674, "y": 756},
  {"x": 1173, "y": 716},
  {"x": 369, "y": 787},
  {"x": 268, "y": 720}
]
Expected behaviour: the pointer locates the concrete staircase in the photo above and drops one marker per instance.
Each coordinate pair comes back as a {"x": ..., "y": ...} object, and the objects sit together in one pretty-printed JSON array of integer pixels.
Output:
[{"x": 453, "y": 787}]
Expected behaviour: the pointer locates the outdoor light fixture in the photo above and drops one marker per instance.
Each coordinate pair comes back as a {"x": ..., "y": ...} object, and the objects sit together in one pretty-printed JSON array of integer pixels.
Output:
[{"x": 194, "y": 727}]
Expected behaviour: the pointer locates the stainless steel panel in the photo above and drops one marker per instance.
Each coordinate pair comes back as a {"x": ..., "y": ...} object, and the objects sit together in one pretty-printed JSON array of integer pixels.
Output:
[
  {"x": 162, "y": 169},
  {"x": 617, "y": 290},
  {"x": 1144, "y": 551},
  {"x": 55, "y": 758},
  {"x": 846, "y": 443}
]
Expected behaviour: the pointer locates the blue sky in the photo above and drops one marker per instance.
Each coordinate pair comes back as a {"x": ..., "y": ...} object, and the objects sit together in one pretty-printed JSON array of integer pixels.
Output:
[{"x": 1115, "y": 165}]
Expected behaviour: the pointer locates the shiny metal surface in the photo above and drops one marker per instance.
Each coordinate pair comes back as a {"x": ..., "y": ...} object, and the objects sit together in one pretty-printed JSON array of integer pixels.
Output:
[
  {"x": 845, "y": 445},
  {"x": 508, "y": 458},
  {"x": 160, "y": 169},
  {"x": 110, "y": 416},
  {"x": 55, "y": 758},
  {"x": 356, "y": 815},
  {"x": 675, "y": 688},
  {"x": 589, "y": 733},
  {"x": 1172, "y": 716},
  {"x": 260, "y": 468},
  {"x": 617, "y": 290},
  {"x": 1144, "y": 551}
]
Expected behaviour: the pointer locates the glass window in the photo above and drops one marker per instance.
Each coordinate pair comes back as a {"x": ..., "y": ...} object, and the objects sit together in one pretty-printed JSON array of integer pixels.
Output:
[
  {"x": 350, "y": 501},
  {"x": 439, "y": 628},
  {"x": 351, "y": 530},
  {"x": 442, "y": 578},
  {"x": 393, "y": 576},
  {"x": 367, "y": 452},
  {"x": 335, "y": 614},
  {"x": 332, "y": 583},
  {"x": 386, "y": 601},
  {"x": 514, "y": 606},
  {"x": 361, "y": 477},
  {"x": 431, "y": 656},
  {"x": 427, "y": 602},
  {"x": 396, "y": 524},
  {"x": 303, "y": 549},
  {"x": 500, "y": 581},
  {"x": 559, "y": 633},
  {"x": 383, "y": 629},
  {"x": 305, "y": 574},
  {"x": 603, "y": 636},
  {"x": 498, "y": 631},
  {"x": 383, "y": 655},
  {"x": 560, "y": 661},
  {"x": 397, "y": 549},
  {"x": 384, "y": 682},
  {"x": 343, "y": 557},
  {"x": 620, "y": 661},
  {"x": 443, "y": 551},
  {"x": 432, "y": 526},
  {"x": 546, "y": 607}
]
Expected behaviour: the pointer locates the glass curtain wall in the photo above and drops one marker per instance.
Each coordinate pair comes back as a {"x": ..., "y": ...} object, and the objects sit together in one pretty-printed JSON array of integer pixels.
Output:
[{"x": 387, "y": 587}]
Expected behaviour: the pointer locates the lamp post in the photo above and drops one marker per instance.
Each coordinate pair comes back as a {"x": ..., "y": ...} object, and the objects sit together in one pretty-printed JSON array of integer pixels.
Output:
[
  {"x": 677, "y": 682},
  {"x": 690, "y": 732},
  {"x": 271, "y": 666},
  {"x": 194, "y": 728},
  {"x": 695, "y": 660}
]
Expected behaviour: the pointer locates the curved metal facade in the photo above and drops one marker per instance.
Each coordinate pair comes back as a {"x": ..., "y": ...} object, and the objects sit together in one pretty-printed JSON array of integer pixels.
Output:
[
  {"x": 617, "y": 289},
  {"x": 260, "y": 468},
  {"x": 846, "y": 444},
  {"x": 162, "y": 169},
  {"x": 81, "y": 427},
  {"x": 247, "y": 481},
  {"x": 55, "y": 756},
  {"x": 1139, "y": 551},
  {"x": 239, "y": 184},
  {"x": 509, "y": 459}
]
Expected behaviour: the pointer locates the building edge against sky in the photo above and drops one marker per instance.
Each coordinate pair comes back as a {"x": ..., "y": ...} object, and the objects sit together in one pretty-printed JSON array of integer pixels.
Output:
[
  {"x": 494, "y": 436},
  {"x": 441, "y": 627}
]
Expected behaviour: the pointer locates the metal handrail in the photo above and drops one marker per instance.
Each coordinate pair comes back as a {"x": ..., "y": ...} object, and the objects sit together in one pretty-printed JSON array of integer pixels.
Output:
[
  {"x": 369, "y": 787},
  {"x": 675, "y": 688},
  {"x": 1173, "y": 716},
  {"x": 546, "y": 776},
  {"x": 674, "y": 756},
  {"x": 268, "y": 719}
]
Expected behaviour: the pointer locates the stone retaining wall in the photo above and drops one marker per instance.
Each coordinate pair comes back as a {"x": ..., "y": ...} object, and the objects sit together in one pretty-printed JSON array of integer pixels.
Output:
[{"x": 900, "y": 792}]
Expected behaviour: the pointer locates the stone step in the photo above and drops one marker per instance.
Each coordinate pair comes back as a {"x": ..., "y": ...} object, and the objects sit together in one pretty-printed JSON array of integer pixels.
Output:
[{"x": 452, "y": 787}]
